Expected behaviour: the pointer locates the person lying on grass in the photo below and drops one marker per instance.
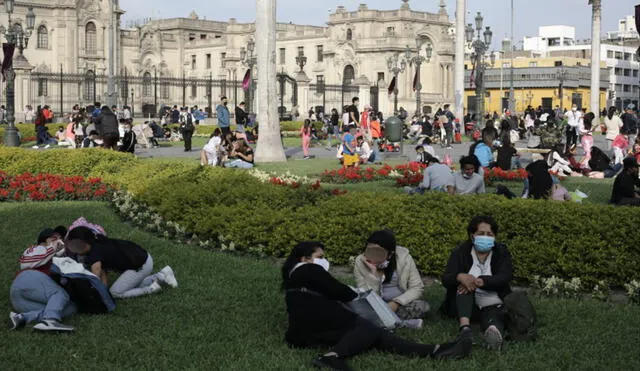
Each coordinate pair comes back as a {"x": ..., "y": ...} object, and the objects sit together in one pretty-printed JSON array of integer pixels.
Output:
[
  {"x": 390, "y": 272},
  {"x": 101, "y": 255},
  {"x": 34, "y": 295},
  {"x": 477, "y": 280},
  {"x": 318, "y": 317}
]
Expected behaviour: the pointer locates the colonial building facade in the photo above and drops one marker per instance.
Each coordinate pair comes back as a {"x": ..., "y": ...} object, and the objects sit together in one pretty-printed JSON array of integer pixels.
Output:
[{"x": 188, "y": 61}]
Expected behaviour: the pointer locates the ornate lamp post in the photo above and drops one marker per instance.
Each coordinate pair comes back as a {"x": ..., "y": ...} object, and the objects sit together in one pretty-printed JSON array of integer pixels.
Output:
[
  {"x": 301, "y": 61},
  {"x": 418, "y": 60},
  {"x": 396, "y": 66},
  {"x": 561, "y": 74},
  {"x": 247, "y": 57},
  {"x": 478, "y": 58},
  {"x": 133, "y": 104},
  {"x": 16, "y": 37}
]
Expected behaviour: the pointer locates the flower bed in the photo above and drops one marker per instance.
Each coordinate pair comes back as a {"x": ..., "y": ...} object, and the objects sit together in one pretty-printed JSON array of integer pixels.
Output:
[
  {"x": 48, "y": 187},
  {"x": 370, "y": 174},
  {"x": 496, "y": 174}
]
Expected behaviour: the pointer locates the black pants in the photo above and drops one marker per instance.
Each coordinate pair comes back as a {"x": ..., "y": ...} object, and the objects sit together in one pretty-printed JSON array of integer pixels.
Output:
[
  {"x": 494, "y": 315},
  {"x": 628, "y": 201},
  {"x": 364, "y": 335},
  {"x": 572, "y": 136},
  {"x": 110, "y": 141},
  {"x": 187, "y": 139},
  {"x": 225, "y": 131}
]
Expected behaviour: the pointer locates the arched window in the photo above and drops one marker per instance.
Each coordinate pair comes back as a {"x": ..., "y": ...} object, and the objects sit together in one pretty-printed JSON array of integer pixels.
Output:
[
  {"x": 90, "y": 38},
  {"x": 349, "y": 75},
  {"x": 90, "y": 86},
  {"x": 43, "y": 38},
  {"x": 349, "y": 34},
  {"x": 146, "y": 84}
]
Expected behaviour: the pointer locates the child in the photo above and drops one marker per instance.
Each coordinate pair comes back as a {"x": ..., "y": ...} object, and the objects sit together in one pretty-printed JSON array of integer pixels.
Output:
[
  {"x": 619, "y": 145},
  {"x": 366, "y": 153},
  {"x": 305, "y": 132}
]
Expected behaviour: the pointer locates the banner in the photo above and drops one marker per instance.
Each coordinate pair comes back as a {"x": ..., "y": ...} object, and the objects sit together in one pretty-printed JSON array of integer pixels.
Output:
[
  {"x": 246, "y": 81},
  {"x": 392, "y": 86}
]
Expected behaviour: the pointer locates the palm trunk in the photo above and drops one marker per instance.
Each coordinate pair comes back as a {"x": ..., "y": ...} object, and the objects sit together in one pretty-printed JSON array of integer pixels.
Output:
[
  {"x": 269, "y": 142},
  {"x": 595, "y": 56}
]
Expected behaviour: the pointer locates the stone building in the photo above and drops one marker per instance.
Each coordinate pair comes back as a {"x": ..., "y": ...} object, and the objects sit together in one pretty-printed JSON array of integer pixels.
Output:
[{"x": 188, "y": 61}]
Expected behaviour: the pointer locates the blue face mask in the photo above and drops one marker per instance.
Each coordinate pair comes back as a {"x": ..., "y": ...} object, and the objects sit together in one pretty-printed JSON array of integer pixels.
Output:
[{"x": 484, "y": 243}]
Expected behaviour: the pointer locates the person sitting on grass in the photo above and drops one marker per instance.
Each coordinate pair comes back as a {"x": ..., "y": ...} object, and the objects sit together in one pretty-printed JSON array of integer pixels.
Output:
[
  {"x": 350, "y": 157},
  {"x": 467, "y": 180},
  {"x": 389, "y": 271},
  {"x": 483, "y": 151},
  {"x": 101, "y": 255},
  {"x": 624, "y": 188},
  {"x": 34, "y": 295},
  {"x": 366, "y": 154},
  {"x": 477, "y": 280},
  {"x": 209, "y": 153},
  {"x": 128, "y": 140},
  {"x": 318, "y": 316},
  {"x": 436, "y": 177},
  {"x": 241, "y": 155},
  {"x": 92, "y": 141}
]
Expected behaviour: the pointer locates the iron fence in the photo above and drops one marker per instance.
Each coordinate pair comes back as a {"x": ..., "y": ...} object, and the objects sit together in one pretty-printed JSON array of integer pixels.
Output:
[{"x": 329, "y": 96}]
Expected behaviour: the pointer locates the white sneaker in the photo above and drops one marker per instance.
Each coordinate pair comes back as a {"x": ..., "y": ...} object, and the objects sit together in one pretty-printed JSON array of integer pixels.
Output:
[
  {"x": 154, "y": 287},
  {"x": 412, "y": 324},
  {"x": 47, "y": 146},
  {"x": 168, "y": 277},
  {"x": 493, "y": 337},
  {"x": 36, "y": 147},
  {"x": 52, "y": 325}
]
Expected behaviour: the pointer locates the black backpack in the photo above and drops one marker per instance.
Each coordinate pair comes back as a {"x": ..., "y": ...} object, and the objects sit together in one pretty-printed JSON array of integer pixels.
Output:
[
  {"x": 521, "y": 317},
  {"x": 188, "y": 126}
]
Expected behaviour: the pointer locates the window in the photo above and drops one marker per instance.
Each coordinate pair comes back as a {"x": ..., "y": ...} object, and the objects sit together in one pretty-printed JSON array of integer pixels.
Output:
[
  {"x": 627, "y": 56},
  {"x": 208, "y": 61},
  {"x": 90, "y": 38},
  {"x": 164, "y": 87},
  {"x": 193, "y": 62},
  {"x": 320, "y": 53},
  {"x": 506, "y": 65},
  {"x": 283, "y": 55},
  {"x": 42, "y": 87},
  {"x": 533, "y": 64},
  {"x": 90, "y": 86},
  {"x": 617, "y": 71},
  {"x": 635, "y": 73},
  {"x": 223, "y": 56},
  {"x": 610, "y": 54},
  {"x": 43, "y": 38},
  {"x": 146, "y": 84},
  {"x": 557, "y": 63},
  {"x": 626, "y": 88},
  {"x": 192, "y": 36},
  {"x": 194, "y": 89},
  {"x": 627, "y": 72},
  {"x": 618, "y": 55},
  {"x": 301, "y": 50},
  {"x": 203, "y": 36},
  {"x": 391, "y": 31},
  {"x": 349, "y": 34},
  {"x": 380, "y": 76}
]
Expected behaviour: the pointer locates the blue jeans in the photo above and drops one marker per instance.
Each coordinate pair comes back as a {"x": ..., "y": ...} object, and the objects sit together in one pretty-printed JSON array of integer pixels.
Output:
[
  {"x": 37, "y": 297},
  {"x": 239, "y": 164}
]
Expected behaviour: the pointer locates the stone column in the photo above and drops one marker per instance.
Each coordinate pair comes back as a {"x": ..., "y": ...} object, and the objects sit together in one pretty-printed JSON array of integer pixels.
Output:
[
  {"x": 364, "y": 92},
  {"x": 269, "y": 147},
  {"x": 461, "y": 6},
  {"x": 303, "y": 91},
  {"x": 595, "y": 56},
  {"x": 23, "y": 69}
]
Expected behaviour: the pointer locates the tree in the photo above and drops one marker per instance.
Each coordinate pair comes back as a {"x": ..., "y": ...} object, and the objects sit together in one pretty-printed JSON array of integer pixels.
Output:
[
  {"x": 269, "y": 147},
  {"x": 595, "y": 54}
]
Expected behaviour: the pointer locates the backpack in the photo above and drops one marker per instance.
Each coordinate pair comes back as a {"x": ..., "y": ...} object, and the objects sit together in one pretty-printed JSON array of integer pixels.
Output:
[
  {"x": 188, "y": 126},
  {"x": 521, "y": 317}
]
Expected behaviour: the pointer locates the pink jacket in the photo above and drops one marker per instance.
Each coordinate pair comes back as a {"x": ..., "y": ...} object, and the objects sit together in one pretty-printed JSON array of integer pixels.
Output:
[
  {"x": 69, "y": 133},
  {"x": 620, "y": 142}
]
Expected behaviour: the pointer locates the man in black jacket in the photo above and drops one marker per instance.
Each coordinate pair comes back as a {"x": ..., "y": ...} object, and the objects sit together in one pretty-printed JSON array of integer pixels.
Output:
[
  {"x": 624, "y": 192},
  {"x": 107, "y": 127},
  {"x": 477, "y": 280}
]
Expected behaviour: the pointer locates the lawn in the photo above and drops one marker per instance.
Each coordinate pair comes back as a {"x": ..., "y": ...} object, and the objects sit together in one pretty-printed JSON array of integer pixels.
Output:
[{"x": 228, "y": 314}]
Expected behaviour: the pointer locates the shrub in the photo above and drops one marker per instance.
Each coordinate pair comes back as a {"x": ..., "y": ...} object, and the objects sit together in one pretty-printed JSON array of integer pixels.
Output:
[{"x": 28, "y": 131}]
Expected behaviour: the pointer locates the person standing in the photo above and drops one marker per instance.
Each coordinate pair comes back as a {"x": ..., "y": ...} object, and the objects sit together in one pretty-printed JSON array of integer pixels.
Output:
[
  {"x": 305, "y": 132},
  {"x": 108, "y": 128},
  {"x": 573, "y": 120},
  {"x": 241, "y": 118},
  {"x": 349, "y": 148},
  {"x": 630, "y": 123},
  {"x": 612, "y": 125},
  {"x": 223, "y": 116},
  {"x": 188, "y": 128},
  {"x": 354, "y": 114}
]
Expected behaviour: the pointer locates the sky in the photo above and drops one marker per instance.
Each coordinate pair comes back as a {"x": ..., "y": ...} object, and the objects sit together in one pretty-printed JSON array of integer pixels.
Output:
[{"x": 529, "y": 14}]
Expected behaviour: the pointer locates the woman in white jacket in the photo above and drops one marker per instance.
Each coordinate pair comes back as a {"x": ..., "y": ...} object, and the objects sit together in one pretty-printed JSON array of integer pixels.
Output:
[
  {"x": 390, "y": 271},
  {"x": 613, "y": 124}
]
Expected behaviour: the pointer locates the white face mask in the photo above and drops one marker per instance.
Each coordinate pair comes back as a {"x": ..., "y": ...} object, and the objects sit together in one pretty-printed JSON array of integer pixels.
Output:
[
  {"x": 324, "y": 263},
  {"x": 574, "y": 109}
]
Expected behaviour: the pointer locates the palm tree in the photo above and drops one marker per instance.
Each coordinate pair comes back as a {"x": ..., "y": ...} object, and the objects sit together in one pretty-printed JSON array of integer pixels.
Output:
[
  {"x": 269, "y": 147},
  {"x": 595, "y": 54}
]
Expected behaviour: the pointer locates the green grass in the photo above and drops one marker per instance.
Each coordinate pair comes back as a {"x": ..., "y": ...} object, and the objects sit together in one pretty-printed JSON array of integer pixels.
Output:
[{"x": 228, "y": 314}]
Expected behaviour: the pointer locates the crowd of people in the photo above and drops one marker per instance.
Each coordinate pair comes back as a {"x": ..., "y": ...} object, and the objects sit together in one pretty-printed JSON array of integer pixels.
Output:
[
  {"x": 477, "y": 280},
  {"x": 60, "y": 275}
]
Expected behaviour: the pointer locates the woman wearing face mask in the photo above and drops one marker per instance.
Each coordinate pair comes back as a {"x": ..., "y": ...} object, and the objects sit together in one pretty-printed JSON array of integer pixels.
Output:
[
  {"x": 477, "y": 280},
  {"x": 318, "y": 316},
  {"x": 390, "y": 272}
]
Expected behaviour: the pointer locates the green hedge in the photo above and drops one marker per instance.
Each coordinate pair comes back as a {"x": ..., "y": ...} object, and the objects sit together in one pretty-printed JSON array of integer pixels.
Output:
[
  {"x": 29, "y": 130},
  {"x": 589, "y": 241}
]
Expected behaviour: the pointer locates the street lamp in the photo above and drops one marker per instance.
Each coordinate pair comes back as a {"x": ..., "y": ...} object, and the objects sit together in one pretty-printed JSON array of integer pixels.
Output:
[
  {"x": 396, "y": 66},
  {"x": 301, "y": 61},
  {"x": 561, "y": 74},
  {"x": 247, "y": 57},
  {"x": 418, "y": 60},
  {"x": 133, "y": 104},
  {"x": 16, "y": 37},
  {"x": 478, "y": 58}
]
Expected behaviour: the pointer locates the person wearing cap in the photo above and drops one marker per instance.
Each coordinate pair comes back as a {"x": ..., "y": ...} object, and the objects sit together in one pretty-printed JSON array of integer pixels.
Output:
[
  {"x": 626, "y": 188},
  {"x": 101, "y": 255},
  {"x": 34, "y": 295},
  {"x": 390, "y": 271}
]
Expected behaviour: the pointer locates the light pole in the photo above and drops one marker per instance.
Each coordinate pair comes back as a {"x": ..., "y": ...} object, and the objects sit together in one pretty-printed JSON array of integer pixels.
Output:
[
  {"x": 16, "y": 37},
  {"x": 562, "y": 77},
  {"x": 247, "y": 57},
  {"x": 396, "y": 66},
  {"x": 133, "y": 104},
  {"x": 418, "y": 60},
  {"x": 480, "y": 47},
  {"x": 512, "y": 89}
]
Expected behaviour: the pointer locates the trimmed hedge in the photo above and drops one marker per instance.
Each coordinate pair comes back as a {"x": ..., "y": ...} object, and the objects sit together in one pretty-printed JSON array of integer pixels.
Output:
[{"x": 589, "y": 241}]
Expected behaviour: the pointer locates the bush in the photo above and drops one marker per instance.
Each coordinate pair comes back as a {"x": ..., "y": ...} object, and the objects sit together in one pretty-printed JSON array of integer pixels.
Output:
[
  {"x": 28, "y": 131},
  {"x": 545, "y": 238}
]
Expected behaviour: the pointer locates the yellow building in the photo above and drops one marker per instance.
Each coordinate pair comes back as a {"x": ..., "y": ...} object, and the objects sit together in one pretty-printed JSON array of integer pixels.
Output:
[{"x": 546, "y": 82}]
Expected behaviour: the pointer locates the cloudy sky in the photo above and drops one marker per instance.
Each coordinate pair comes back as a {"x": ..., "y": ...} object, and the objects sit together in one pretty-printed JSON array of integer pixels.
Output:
[{"x": 529, "y": 14}]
